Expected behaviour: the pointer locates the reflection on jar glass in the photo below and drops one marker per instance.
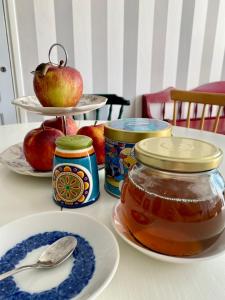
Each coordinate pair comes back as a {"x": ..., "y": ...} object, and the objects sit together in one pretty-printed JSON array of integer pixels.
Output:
[{"x": 175, "y": 212}]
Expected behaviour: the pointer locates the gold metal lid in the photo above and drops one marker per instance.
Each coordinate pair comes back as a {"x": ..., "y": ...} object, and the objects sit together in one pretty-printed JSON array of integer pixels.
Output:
[
  {"x": 178, "y": 154},
  {"x": 132, "y": 130}
]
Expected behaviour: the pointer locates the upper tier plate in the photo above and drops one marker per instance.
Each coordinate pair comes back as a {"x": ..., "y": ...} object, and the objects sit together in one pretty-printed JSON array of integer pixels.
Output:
[{"x": 86, "y": 104}]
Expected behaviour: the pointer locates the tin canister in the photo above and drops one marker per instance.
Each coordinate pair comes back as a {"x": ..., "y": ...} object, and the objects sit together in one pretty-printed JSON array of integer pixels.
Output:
[
  {"x": 120, "y": 137},
  {"x": 75, "y": 174}
]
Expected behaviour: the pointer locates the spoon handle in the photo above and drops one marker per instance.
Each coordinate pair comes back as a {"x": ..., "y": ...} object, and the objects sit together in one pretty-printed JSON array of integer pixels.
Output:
[{"x": 14, "y": 271}]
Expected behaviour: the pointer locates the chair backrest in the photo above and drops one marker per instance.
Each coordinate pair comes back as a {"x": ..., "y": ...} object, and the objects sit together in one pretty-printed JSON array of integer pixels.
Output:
[
  {"x": 160, "y": 98},
  {"x": 113, "y": 100},
  {"x": 163, "y": 99},
  {"x": 198, "y": 97},
  {"x": 212, "y": 87}
]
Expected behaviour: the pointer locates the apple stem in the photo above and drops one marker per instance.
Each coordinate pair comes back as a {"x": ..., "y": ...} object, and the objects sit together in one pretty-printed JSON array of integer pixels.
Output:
[
  {"x": 43, "y": 126},
  {"x": 96, "y": 121},
  {"x": 61, "y": 63}
]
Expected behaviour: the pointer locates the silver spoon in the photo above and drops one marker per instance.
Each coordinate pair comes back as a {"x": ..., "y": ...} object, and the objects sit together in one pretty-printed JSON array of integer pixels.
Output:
[{"x": 54, "y": 255}]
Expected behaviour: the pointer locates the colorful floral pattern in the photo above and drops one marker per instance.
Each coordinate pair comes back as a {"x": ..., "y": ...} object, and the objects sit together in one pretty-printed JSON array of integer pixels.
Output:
[{"x": 71, "y": 184}]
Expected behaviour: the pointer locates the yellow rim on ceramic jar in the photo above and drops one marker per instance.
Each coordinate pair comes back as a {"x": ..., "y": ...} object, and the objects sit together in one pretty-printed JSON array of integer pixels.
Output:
[{"x": 178, "y": 154}]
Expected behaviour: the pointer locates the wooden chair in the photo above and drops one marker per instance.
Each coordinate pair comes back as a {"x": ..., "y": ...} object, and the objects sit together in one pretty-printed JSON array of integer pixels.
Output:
[
  {"x": 198, "y": 97},
  {"x": 163, "y": 98},
  {"x": 113, "y": 100}
]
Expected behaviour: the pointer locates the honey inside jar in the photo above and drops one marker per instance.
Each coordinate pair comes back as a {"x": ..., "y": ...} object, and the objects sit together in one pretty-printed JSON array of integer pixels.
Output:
[{"x": 178, "y": 214}]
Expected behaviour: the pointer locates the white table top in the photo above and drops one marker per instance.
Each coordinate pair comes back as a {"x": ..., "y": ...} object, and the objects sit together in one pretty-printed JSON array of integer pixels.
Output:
[{"x": 138, "y": 277}]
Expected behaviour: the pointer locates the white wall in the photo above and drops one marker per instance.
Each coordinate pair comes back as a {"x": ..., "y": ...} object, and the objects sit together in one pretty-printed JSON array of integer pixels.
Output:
[{"x": 128, "y": 47}]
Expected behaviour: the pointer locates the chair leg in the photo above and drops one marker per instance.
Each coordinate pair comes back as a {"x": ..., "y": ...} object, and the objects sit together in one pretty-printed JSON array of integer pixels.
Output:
[
  {"x": 110, "y": 112},
  {"x": 174, "y": 112},
  {"x": 217, "y": 119},
  {"x": 120, "y": 112}
]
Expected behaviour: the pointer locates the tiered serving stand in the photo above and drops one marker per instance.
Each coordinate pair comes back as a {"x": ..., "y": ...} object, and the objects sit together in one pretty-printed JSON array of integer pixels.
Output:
[{"x": 13, "y": 157}]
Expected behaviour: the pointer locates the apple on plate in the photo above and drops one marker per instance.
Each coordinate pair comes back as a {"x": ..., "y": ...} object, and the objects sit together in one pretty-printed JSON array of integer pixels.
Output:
[
  {"x": 58, "y": 86},
  {"x": 39, "y": 147},
  {"x": 58, "y": 123},
  {"x": 96, "y": 132}
]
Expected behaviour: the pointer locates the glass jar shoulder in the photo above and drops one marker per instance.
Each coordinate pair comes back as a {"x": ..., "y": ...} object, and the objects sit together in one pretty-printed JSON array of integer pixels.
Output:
[{"x": 186, "y": 187}]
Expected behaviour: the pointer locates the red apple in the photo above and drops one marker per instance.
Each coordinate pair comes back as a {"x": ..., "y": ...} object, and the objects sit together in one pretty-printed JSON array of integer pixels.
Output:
[
  {"x": 57, "y": 86},
  {"x": 39, "y": 147},
  {"x": 96, "y": 132},
  {"x": 71, "y": 125}
]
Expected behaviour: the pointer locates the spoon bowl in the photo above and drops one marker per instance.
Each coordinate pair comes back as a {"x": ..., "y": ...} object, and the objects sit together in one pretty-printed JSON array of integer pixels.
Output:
[
  {"x": 52, "y": 256},
  {"x": 57, "y": 252}
]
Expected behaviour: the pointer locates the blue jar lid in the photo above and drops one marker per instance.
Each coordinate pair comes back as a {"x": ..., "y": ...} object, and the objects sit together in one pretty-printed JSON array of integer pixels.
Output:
[{"x": 132, "y": 130}]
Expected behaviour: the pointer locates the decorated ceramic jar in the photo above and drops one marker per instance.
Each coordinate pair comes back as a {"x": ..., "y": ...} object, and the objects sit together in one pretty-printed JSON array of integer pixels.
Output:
[
  {"x": 120, "y": 138},
  {"x": 172, "y": 200},
  {"x": 75, "y": 174}
]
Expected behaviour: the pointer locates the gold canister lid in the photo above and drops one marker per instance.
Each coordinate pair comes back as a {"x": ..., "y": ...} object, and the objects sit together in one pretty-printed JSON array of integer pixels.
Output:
[
  {"x": 132, "y": 130},
  {"x": 178, "y": 154}
]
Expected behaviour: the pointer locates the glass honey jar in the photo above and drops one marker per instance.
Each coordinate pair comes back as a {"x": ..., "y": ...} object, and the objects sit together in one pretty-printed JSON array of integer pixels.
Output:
[{"x": 172, "y": 200}]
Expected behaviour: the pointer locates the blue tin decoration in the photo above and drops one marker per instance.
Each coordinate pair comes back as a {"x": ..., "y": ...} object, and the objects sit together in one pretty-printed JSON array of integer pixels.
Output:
[{"x": 120, "y": 138}]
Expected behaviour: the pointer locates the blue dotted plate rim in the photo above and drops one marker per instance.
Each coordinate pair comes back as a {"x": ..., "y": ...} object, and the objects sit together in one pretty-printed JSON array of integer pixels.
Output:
[{"x": 116, "y": 255}]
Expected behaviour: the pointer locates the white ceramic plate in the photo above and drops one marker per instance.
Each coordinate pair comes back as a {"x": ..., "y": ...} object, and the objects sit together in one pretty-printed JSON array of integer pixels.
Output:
[
  {"x": 86, "y": 104},
  {"x": 14, "y": 159},
  {"x": 98, "y": 236},
  {"x": 214, "y": 251}
]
